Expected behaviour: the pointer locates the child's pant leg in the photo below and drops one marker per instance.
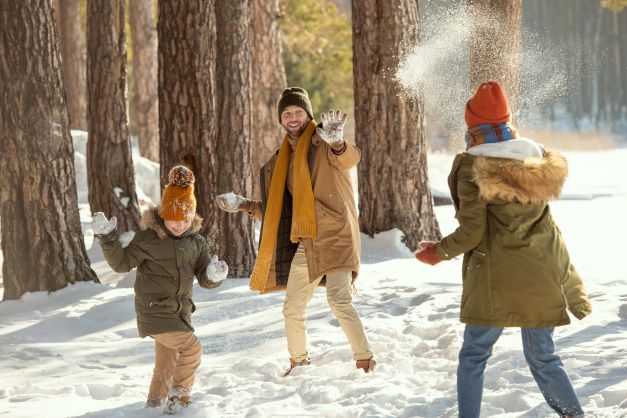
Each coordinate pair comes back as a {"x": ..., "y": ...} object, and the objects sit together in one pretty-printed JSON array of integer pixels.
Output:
[
  {"x": 548, "y": 371},
  {"x": 187, "y": 345},
  {"x": 473, "y": 356},
  {"x": 165, "y": 364}
]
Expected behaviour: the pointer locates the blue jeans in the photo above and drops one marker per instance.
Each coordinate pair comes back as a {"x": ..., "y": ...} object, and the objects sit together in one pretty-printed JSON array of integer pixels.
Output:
[{"x": 546, "y": 367}]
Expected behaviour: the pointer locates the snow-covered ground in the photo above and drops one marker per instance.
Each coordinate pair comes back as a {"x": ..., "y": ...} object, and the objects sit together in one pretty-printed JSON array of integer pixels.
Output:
[{"x": 75, "y": 353}]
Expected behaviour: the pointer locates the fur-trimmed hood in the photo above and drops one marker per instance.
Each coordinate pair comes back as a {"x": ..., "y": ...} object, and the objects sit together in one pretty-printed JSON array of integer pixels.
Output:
[
  {"x": 150, "y": 220},
  {"x": 531, "y": 180}
]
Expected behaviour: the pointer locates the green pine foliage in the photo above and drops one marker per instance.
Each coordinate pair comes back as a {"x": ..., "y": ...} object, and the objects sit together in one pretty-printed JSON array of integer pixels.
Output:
[
  {"x": 614, "y": 5},
  {"x": 317, "y": 52}
]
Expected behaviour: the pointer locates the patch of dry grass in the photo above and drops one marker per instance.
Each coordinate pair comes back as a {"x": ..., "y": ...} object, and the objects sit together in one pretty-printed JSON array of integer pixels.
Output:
[{"x": 571, "y": 140}]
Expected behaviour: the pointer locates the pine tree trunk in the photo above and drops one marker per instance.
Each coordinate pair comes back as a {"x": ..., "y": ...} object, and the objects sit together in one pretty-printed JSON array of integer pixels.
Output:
[
  {"x": 145, "y": 105},
  {"x": 233, "y": 160},
  {"x": 268, "y": 74},
  {"x": 393, "y": 183},
  {"x": 42, "y": 241},
  {"x": 205, "y": 113},
  {"x": 188, "y": 122},
  {"x": 623, "y": 59},
  {"x": 73, "y": 54},
  {"x": 109, "y": 164},
  {"x": 619, "y": 101},
  {"x": 495, "y": 45}
]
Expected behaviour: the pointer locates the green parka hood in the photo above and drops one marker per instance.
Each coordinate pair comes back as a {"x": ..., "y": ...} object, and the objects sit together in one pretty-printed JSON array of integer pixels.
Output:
[{"x": 533, "y": 180}]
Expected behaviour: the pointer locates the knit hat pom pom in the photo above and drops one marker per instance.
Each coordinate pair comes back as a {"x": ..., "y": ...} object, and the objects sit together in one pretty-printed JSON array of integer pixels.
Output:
[{"x": 181, "y": 176}]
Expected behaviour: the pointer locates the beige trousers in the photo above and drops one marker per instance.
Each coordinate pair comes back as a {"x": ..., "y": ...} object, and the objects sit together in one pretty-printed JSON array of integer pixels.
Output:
[
  {"x": 300, "y": 291},
  {"x": 177, "y": 356}
]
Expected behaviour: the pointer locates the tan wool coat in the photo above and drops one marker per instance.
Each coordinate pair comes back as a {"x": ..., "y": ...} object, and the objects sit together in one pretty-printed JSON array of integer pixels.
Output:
[
  {"x": 516, "y": 269},
  {"x": 337, "y": 246}
]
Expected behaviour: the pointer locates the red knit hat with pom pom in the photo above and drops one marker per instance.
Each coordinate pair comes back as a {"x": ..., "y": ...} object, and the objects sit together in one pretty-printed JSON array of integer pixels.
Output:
[{"x": 178, "y": 202}]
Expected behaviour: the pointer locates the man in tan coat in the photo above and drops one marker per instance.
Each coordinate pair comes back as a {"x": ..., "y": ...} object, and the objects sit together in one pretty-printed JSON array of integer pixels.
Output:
[{"x": 309, "y": 232}]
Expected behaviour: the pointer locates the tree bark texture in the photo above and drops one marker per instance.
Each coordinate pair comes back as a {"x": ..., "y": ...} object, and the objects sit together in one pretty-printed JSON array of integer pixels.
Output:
[
  {"x": 394, "y": 188},
  {"x": 73, "y": 58},
  {"x": 268, "y": 73},
  {"x": 109, "y": 162},
  {"x": 42, "y": 241},
  {"x": 145, "y": 104},
  {"x": 188, "y": 122},
  {"x": 494, "y": 45},
  {"x": 234, "y": 148},
  {"x": 205, "y": 113}
]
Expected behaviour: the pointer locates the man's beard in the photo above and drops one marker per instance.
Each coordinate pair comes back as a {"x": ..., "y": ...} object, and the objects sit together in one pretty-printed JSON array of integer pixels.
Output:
[{"x": 295, "y": 133}]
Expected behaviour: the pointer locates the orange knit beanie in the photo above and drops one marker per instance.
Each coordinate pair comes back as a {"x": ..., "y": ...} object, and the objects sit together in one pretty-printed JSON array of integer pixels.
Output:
[
  {"x": 178, "y": 202},
  {"x": 487, "y": 106}
]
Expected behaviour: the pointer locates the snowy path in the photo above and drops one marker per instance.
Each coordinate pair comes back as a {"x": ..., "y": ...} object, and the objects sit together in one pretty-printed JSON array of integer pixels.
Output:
[{"x": 75, "y": 353}]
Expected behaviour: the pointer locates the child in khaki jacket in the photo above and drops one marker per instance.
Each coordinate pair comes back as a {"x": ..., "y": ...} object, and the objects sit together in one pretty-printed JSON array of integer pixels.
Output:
[{"x": 167, "y": 253}]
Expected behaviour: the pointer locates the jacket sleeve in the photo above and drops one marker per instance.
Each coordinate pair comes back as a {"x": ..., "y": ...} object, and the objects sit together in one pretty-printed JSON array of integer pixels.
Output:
[
  {"x": 121, "y": 259},
  {"x": 575, "y": 294},
  {"x": 253, "y": 209},
  {"x": 204, "y": 258},
  {"x": 471, "y": 216},
  {"x": 346, "y": 160}
]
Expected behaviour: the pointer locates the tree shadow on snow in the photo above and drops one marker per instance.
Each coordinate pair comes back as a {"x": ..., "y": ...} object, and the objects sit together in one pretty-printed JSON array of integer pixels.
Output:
[{"x": 135, "y": 409}]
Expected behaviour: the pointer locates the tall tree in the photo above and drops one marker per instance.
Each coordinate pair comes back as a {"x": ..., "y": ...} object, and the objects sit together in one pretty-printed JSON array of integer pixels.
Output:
[
  {"x": 233, "y": 72},
  {"x": 494, "y": 45},
  {"x": 594, "y": 37},
  {"x": 393, "y": 183},
  {"x": 72, "y": 45},
  {"x": 42, "y": 242},
  {"x": 268, "y": 80},
  {"x": 145, "y": 104},
  {"x": 109, "y": 165},
  {"x": 205, "y": 112},
  {"x": 188, "y": 123}
]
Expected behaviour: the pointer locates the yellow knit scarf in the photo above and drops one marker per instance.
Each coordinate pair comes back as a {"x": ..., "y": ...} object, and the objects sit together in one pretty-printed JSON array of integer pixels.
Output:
[{"x": 303, "y": 212}]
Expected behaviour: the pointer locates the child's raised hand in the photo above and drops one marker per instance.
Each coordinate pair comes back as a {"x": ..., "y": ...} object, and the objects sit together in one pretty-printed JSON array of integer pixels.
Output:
[
  {"x": 217, "y": 270},
  {"x": 101, "y": 225}
]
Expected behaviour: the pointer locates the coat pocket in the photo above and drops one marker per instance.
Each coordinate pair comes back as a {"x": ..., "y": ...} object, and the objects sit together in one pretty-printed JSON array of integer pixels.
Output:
[
  {"x": 333, "y": 228},
  {"x": 167, "y": 304},
  {"x": 476, "y": 260}
]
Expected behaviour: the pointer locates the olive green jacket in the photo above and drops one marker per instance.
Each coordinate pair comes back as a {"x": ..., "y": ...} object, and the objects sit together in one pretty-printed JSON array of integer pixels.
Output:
[
  {"x": 516, "y": 268},
  {"x": 166, "y": 267}
]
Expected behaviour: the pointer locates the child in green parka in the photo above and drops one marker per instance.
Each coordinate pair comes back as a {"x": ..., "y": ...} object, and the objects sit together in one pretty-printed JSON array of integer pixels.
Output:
[
  {"x": 168, "y": 253},
  {"x": 516, "y": 268}
]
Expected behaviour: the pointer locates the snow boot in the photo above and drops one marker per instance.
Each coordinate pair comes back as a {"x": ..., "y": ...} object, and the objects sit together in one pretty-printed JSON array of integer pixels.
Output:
[
  {"x": 153, "y": 403},
  {"x": 294, "y": 363},
  {"x": 177, "y": 400},
  {"x": 366, "y": 365}
]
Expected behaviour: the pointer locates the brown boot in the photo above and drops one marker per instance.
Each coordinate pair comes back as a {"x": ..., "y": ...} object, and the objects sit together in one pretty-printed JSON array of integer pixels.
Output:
[
  {"x": 367, "y": 365},
  {"x": 177, "y": 400},
  {"x": 294, "y": 363},
  {"x": 154, "y": 401}
]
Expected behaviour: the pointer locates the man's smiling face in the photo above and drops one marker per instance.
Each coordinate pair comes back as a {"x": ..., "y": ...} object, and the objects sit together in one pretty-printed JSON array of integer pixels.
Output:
[{"x": 293, "y": 120}]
